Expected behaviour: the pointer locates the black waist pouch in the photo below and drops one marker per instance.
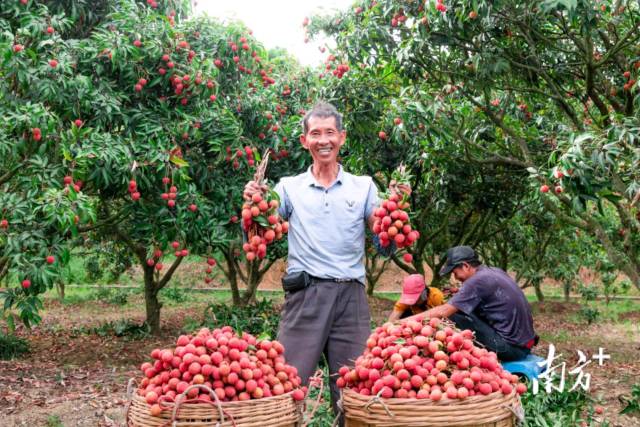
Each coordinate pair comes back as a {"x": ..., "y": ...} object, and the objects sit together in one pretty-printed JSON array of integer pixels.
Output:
[{"x": 293, "y": 282}]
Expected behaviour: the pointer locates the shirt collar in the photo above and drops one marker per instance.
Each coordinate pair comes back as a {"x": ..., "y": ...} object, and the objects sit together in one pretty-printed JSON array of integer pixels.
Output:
[{"x": 310, "y": 180}]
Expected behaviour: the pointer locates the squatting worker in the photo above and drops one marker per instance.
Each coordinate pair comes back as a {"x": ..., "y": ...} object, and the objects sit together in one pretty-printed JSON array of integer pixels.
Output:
[
  {"x": 416, "y": 298},
  {"x": 328, "y": 210},
  {"x": 490, "y": 303}
]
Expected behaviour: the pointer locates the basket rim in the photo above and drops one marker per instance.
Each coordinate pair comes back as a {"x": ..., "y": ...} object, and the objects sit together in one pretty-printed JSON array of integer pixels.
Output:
[
  {"x": 169, "y": 404},
  {"x": 444, "y": 402}
]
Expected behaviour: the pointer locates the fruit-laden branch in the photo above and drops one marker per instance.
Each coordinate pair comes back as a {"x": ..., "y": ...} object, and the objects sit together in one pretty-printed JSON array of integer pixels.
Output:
[
  {"x": 402, "y": 265},
  {"x": 548, "y": 203},
  {"x": 495, "y": 159},
  {"x": 538, "y": 69},
  {"x": 625, "y": 41},
  {"x": 522, "y": 143}
]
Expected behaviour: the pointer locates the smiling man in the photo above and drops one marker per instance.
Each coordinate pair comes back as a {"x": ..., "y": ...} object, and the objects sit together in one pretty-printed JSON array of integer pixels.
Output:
[{"x": 325, "y": 309}]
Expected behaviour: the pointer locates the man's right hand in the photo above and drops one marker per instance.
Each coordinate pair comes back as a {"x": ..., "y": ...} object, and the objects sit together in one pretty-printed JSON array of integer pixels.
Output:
[{"x": 252, "y": 188}]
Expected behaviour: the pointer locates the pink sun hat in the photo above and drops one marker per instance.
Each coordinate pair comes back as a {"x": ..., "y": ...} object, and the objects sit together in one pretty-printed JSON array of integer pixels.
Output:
[{"x": 412, "y": 287}]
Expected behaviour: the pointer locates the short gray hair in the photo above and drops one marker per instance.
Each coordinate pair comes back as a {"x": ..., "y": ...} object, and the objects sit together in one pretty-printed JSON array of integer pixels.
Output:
[{"x": 322, "y": 110}]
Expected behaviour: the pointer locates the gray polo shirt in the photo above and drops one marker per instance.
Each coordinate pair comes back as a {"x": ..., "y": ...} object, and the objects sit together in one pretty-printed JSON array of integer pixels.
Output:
[
  {"x": 327, "y": 225},
  {"x": 493, "y": 296}
]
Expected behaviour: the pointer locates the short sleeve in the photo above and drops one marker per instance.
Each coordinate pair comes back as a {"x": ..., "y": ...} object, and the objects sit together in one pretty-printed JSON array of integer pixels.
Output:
[
  {"x": 372, "y": 201},
  {"x": 285, "y": 205},
  {"x": 400, "y": 307},
  {"x": 436, "y": 297},
  {"x": 468, "y": 298}
]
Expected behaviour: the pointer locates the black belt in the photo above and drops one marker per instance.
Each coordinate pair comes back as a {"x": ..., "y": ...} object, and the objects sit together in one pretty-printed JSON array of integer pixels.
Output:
[{"x": 329, "y": 279}]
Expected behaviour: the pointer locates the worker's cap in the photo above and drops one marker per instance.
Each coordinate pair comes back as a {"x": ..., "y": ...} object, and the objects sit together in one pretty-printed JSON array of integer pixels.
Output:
[
  {"x": 412, "y": 287},
  {"x": 456, "y": 256}
]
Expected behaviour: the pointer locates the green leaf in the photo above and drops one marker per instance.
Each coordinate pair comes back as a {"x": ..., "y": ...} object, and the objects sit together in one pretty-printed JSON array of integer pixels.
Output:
[
  {"x": 262, "y": 221},
  {"x": 264, "y": 336},
  {"x": 178, "y": 161}
]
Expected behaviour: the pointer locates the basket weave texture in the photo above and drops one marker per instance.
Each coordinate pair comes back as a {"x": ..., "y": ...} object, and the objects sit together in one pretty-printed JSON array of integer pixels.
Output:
[
  {"x": 495, "y": 410},
  {"x": 277, "y": 411}
]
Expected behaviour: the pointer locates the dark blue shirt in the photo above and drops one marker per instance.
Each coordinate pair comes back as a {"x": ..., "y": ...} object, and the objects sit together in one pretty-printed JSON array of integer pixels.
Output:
[{"x": 492, "y": 295}]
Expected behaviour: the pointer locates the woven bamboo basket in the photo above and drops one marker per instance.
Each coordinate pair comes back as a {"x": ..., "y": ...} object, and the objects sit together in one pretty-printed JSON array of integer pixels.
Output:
[
  {"x": 276, "y": 411},
  {"x": 493, "y": 410}
]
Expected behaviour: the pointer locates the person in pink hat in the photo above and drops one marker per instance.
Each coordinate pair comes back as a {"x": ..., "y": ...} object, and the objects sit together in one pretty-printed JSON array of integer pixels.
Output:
[{"x": 416, "y": 298}]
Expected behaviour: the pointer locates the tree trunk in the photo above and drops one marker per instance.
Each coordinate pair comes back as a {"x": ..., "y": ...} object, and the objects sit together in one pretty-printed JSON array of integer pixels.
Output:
[
  {"x": 255, "y": 273},
  {"x": 438, "y": 281},
  {"x": 370, "y": 286},
  {"x": 567, "y": 289},
  {"x": 232, "y": 274},
  {"x": 537, "y": 286},
  {"x": 153, "y": 305},
  {"x": 60, "y": 289},
  {"x": 373, "y": 269}
]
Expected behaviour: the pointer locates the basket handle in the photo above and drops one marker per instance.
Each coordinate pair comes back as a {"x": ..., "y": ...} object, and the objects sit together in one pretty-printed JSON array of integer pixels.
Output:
[
  {"x": 130, "y": 391},
  {"x": 515, "y": 408},
  {"x": 182, "y": 398},
  {"x": 315, "y": 381}
]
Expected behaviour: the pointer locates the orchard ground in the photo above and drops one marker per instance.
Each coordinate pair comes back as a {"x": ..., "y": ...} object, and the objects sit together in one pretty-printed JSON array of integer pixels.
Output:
[{"x": 77, "y": 371}]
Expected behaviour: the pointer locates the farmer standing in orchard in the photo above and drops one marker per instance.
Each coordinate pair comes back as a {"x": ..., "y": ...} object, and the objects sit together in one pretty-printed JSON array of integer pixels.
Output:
[
  {"x": 325, "y": 309},
  {"x": 490, "y": 303}
]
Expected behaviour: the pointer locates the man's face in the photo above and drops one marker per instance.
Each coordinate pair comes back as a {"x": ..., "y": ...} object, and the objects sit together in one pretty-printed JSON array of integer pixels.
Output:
[
  {"x": 462, "y": 272},
  {"x": 323, "y": 140}
]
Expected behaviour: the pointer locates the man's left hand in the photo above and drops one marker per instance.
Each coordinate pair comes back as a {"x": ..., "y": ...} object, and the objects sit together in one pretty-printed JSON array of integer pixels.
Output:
[{"x": 404, "y": 188}]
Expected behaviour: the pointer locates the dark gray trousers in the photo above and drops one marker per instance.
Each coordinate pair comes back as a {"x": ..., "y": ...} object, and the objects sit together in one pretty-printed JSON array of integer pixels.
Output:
[
  {"x": 326, "y": 317},
  {"x": 488, "y": 336}
]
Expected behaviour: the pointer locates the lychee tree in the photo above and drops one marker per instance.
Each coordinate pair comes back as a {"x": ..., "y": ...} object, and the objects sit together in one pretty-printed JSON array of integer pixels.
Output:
[
  {"x": 453, "y": 202},
  {"x": 38, "y": 215},
  {"x": 546, "y": 89},
  {"x": 150, "y": 112}
]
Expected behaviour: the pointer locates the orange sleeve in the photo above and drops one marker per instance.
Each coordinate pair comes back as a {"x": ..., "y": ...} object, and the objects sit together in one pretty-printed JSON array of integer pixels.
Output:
[
  {"x": 399, "y": 307},
  {"x": 436, "y": 297}
]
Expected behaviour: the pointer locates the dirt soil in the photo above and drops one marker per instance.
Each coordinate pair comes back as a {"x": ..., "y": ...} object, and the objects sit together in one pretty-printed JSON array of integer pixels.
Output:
[{"x": 80, "y": 379}]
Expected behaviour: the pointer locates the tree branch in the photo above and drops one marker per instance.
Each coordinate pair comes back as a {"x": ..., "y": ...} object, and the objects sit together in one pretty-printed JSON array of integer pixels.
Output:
[
  {"x": 11, "y": 173},
  {"x": 167, "y": 276}
]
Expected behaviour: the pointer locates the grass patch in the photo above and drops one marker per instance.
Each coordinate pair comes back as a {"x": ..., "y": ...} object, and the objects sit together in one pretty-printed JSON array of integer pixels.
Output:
[
  {"x": 118, "y": 328},
  {"x": 561, "y": 336},
  {"x": 392, "y": 296},
  {"x": 54, "y": 421},
  {"x": 12, "y": 346},
  {"x": 612, "y": 312},
  {"x": 566, "y": 408},
  {"x": 81, "y": 294}
]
